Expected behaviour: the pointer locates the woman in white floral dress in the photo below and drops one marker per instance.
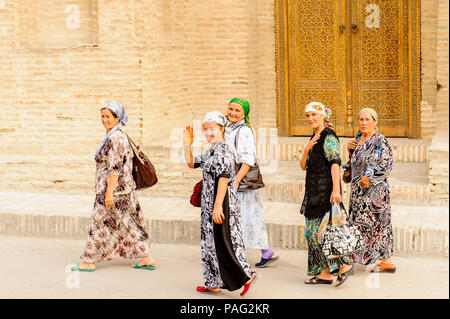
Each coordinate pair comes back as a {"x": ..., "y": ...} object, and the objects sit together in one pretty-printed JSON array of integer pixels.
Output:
[
  {"x": 239, "y": 134},
  {"x": 117, "y": 228},
  {"x": 224, "y": 259}
]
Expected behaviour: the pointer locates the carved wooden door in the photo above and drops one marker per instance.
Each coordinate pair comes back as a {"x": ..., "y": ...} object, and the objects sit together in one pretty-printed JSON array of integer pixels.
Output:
[
  {"x": 316, "y": 60},
  {"x": 349, "y": 54},
  {"x": 380, "y": 63}
]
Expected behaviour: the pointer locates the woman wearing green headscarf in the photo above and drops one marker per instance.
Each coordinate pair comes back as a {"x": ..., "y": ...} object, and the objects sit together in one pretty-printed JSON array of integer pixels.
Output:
[
  {"x": 371, "y": 162},
  {"x": 239, "y": 134}
]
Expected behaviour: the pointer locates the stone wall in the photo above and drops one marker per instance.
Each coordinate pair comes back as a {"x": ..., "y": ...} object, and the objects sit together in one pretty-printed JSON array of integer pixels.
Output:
[
  {"x": 439, "y": 152},
  {"x": 57, "y": 69},
  {"x": 434, "y": 68},
  {"x": 167, "y": 62}
]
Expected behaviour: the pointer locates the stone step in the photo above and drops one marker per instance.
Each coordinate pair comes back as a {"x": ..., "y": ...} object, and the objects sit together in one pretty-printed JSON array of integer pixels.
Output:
[
  {"x": 290, "y": 148},
  {"x": 285, "y": 182},
  {"x": 418, "y": 229}
]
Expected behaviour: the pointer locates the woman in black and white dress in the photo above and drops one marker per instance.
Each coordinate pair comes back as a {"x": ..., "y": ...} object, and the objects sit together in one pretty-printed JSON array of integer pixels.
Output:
[{"x": 224, "y": 259}]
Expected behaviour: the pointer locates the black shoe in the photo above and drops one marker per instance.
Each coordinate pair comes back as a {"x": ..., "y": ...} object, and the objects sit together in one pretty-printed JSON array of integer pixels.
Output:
[
  {"x": 266, "y": 262},
  {"x": 343, "y": 277}
]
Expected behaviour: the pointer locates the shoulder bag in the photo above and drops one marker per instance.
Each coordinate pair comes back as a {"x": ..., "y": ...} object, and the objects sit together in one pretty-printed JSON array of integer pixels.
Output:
[
  {"x": 253, "y": 178},
  {"x": 144, "y": 173}
]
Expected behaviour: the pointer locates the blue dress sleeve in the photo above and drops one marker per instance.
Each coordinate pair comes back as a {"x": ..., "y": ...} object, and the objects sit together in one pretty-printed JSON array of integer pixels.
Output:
[{"x": 331, "y": 147}]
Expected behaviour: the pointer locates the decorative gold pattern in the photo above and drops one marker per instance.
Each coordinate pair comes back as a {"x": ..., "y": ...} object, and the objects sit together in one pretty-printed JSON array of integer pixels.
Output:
[
  {"x": 380, "y": 74},
  {"x": 315, "y": 54},
  {"x": 380, "y": 59},
  {"x": 311, "y": 63}
]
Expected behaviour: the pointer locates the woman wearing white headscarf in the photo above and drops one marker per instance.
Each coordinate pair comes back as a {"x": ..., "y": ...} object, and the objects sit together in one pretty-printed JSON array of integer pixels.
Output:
[
  {"x": 321, "y": 160},
  {"x": 224, "y": 259},
  {"x": 117, "y": 227}
]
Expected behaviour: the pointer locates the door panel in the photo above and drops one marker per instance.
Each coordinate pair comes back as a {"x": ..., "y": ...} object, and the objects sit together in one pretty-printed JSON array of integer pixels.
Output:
[
  {"x": 380, "y": 68},
  {"x": 316, "y": 60}
]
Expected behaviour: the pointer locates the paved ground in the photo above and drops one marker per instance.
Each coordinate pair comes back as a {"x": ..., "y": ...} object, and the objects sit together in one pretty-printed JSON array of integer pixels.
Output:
[{"x": 36, "y": 268}]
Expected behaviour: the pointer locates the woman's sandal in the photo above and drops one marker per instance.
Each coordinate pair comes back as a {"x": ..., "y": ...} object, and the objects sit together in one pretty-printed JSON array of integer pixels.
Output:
[
  {"x": 247, "y": 285},
  {"x": 147, "y": 267},
  {"x": 77, "y": 268},
  {"x": 343, "y": 277},
  {"x": 379, "y": 269},
  {"x": 204, "y": 289},
  {"x": 317, "y": 281}
]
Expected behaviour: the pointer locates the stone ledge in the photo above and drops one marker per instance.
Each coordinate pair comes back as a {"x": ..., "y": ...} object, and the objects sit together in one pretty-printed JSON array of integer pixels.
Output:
[{"x": 169, "y": 220}]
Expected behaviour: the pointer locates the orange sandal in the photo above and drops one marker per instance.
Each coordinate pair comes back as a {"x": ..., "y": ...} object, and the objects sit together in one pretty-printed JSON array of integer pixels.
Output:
[{"x": 388, "y": 267}]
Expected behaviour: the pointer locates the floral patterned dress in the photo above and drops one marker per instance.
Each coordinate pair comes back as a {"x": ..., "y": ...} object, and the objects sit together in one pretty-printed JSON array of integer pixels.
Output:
[
  {"x": 118, "y": 232},
  {"x": 224, "y": 259},
  {"x": 370, "y": 208},
  {"x": 253, "y": 224},
  {"x": 317, "y": 262}
]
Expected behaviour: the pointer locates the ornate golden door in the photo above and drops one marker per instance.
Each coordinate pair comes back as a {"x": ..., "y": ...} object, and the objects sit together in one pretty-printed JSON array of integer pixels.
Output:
[{"x": 349, "y": 54}]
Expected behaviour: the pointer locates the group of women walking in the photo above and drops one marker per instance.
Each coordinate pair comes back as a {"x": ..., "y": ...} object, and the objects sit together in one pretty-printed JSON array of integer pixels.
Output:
[{"x": 232, "y": 214}]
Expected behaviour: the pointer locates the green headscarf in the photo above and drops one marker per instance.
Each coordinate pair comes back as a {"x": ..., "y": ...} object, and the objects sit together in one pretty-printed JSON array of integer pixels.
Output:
[
  {"x": 245, "y": 105},
  {"x": 372, "y": 113}
]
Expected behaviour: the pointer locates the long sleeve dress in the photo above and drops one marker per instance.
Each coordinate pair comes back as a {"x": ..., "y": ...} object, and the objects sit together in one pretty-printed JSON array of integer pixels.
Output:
[
  {"x": 253, "y": 225},
  {"x": 118, "y": 232},
  {"x": 316, "y": 202},
  {"x": 224, "y": 259},
  {"x": 371, "y": 209}
]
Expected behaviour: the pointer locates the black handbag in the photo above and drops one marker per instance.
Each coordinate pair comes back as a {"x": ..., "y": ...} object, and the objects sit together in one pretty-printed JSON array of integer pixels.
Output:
[
  {"x": 253, "y": 179},
  {"x": 340, "y": 241}
]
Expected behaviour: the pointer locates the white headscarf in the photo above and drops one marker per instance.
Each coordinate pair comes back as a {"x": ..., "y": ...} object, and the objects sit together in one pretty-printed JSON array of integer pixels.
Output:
[
  {"x": 216, "y": 117},
  {"x": 120, "y": 111},
  {"x": 219, "y": 118}
]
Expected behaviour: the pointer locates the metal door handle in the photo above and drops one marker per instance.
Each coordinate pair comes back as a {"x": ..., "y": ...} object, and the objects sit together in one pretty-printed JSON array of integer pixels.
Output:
[{"x": 354, "y": 28}]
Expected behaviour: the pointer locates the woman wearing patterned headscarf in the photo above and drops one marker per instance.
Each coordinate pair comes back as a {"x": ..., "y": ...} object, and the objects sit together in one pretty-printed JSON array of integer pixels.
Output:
[
  {"x": 370, "y": 205},
  {"x": 224, "y": 259},
  {"x": 116, "y": 228},
  {"x": 321, "y": 160},
  {"x": 239, "y": 133}
]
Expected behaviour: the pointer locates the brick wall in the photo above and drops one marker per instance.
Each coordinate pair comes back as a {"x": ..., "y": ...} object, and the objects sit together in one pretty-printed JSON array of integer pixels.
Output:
[
  {"x": 434, "y": 52},
  {"x": 200, "y": 54},
  {"x": 442, "y": 63},
  {"x": 167, "y": 62},
  {"x": 50, "y": 120}
]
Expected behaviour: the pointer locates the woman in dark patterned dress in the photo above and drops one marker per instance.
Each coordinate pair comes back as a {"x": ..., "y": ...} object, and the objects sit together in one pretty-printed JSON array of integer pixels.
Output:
[
  {"x": 117, "y": 227},
  {"x": 224, "y": 259},
  {"x": 370, "y": 203},
  {"x": 321, "y": 160}
]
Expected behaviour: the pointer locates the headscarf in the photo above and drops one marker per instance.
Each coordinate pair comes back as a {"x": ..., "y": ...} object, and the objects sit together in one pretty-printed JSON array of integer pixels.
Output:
[
  {"x": 216, "y": 117},
  {"x": 372, "y": 113},
  {"x": 319, "y": 108},
  {"x": 219, "y": 118},
  {"x": 119, "y": 110},
  {"x": 245, "y": 105}
]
